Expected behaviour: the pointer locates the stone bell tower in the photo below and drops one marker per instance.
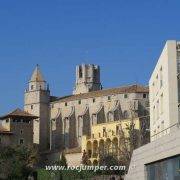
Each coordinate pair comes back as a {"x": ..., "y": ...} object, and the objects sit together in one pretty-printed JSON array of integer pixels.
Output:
[
  {"x": 36, "y": 101},
  {"x": 87, "y": 78}
]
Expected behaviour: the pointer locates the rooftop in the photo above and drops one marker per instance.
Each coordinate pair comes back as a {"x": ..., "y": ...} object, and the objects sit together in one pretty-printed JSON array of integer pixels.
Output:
[
  {"x": 105, "y": 92},
  {"x": 37, "y": 75},
  {"x": 18, "y": 113}
]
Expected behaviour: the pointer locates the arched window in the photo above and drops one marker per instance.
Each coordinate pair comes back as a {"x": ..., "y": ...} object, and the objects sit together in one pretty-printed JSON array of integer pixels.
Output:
[
  {"x": 110, "y": 116},
  {"x": 126, "y": 115}
]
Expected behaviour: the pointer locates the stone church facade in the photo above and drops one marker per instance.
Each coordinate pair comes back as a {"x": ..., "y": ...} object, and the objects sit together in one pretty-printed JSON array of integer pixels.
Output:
[{"x": 64, "y": 120}]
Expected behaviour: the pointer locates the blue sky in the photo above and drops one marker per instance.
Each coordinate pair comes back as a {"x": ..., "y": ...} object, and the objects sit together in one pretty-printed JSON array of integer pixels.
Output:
[{"x": 124, "y": 37}]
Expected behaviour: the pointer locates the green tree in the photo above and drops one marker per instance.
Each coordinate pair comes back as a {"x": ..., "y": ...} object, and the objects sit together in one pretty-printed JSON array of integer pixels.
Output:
[{"x": 17, "y": 162}]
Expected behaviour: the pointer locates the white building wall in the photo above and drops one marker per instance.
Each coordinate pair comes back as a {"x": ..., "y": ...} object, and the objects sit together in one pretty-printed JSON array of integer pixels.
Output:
[{"x": 164, "y": 92}]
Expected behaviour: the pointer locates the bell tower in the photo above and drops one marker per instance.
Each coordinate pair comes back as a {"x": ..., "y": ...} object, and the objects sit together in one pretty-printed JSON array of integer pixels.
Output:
[
  {"x": 87, "y": 78},
  {"x": 36, "y": 101}
]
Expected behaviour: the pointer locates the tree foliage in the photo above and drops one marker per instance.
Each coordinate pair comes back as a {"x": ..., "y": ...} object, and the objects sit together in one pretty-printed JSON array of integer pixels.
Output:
[{"x": 17, "y": 162}]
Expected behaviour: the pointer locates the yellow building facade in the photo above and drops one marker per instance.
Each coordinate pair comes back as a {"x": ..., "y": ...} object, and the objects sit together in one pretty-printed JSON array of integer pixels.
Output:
[{"x": 106, "y": 138}]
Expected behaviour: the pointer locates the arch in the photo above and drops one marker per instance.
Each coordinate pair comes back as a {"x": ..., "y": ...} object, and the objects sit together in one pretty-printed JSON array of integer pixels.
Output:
[
  {"x": 108, "y": 146},
  {"x": 95, "y": 148},
  {"x": 89, "y": 149},
  {"x": 101, "y": 147},
  {"x": 115, "y": 146},
  {"x": 95, "y": 162},
  {"x": 89, "y": 163},
  {"x": 110, "y": 116},
  {"x": 126, "y": 115}
]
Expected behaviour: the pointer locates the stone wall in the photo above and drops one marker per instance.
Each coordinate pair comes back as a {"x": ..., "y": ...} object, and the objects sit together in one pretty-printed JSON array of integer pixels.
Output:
[{"x": 82, "y": 113}]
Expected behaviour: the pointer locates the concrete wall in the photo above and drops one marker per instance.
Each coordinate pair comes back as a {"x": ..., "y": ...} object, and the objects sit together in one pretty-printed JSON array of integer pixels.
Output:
[
  {"x": 164, "y": 92},
  {"x": 74, "y": 159},
  {"x": 164, "y": 147}
]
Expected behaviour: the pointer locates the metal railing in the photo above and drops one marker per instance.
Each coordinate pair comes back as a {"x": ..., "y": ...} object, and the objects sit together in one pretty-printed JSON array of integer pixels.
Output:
[{"x": 165, "y": 130}]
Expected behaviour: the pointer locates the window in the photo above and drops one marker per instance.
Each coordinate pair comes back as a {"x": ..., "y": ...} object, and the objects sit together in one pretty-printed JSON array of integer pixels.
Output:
[
  {"x": 21, "y": 141},
  {"x": 109, "y": 98},
  {"x": 79, "y": 102},
  {"x": 104, "y": 131},
  {"x": 157, "y": 110},
  {"x": 117, "y": 130},
  {"x": 154, "y": 113},
  {"x": 7, "y": 120},
  {"x": 21, "y": 131},
  {"x": 157, "y": 84},
  {"x": 80, "y": 72},
  {"x": 161, "y": 77},
  {"x": 52, "y": 106},
  {"x": 144, "y": 95},
  {"x": 92, "y": 135},
  {"x": 125, "y": 114},
  {"x": 99, "y": 134},
  {"x": 161, "y": 103},
  {"x": 31, "y": 106},
  {"x": 94, "y": 100},
  {"x": 153, "y": 89},
  {"x": 164, "y": 169},
  {"x": 125, "y": 96},
  {"x": 32, "y": 87},
  {"x": 65, "y": 103}
]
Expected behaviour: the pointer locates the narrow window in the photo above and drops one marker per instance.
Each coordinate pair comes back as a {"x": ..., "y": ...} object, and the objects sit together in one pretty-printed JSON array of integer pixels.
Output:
[
  {"x": 80, "y": 72},
  {"x": 79, "y": 102},
  {"x": 94, "y": 100},
  {"x": 21, "y": 131},
  {"x": 162, "y": 103},
  {"x": 144, "y": 95},
  {"x": 21, "y": 141},
  {"x": 161, "y": 77},
  {"x": 31, "y": 106},
  {"x": 104, "y": 131},
  {"x": 125, "y": 115},
  {"x": 117, "y": 130},
  {"x": 154, "y": 113},
  {"x": 65, "y": 103},
  {"x": 109, "y": 98},
  {"x": 157, "y": 110},
  {"x": 7, "y": 120},
  {"x": 92, "y": 135},
  {"x": 32, "y": 87}
]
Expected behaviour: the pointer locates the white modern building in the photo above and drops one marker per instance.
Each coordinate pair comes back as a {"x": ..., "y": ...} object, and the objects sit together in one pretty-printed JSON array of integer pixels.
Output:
[
  {"x": 160, "y": 159},
  {"x": 164, "y": 94}
]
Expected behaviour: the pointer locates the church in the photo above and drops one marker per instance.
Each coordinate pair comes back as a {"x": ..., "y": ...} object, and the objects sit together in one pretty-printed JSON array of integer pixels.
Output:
[{"x": 63, "y": 121}]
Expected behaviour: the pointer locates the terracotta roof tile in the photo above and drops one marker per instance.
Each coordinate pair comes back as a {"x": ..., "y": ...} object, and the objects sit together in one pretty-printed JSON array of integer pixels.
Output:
[{"x": 18, "y": 113}]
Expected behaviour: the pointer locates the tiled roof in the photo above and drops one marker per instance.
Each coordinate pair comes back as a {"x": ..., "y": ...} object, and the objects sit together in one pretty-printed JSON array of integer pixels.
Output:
[
  {"x": 106, "y": 92},
  {"x": 4, "y": 131},
  {"x": 18, "y": 113}
]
